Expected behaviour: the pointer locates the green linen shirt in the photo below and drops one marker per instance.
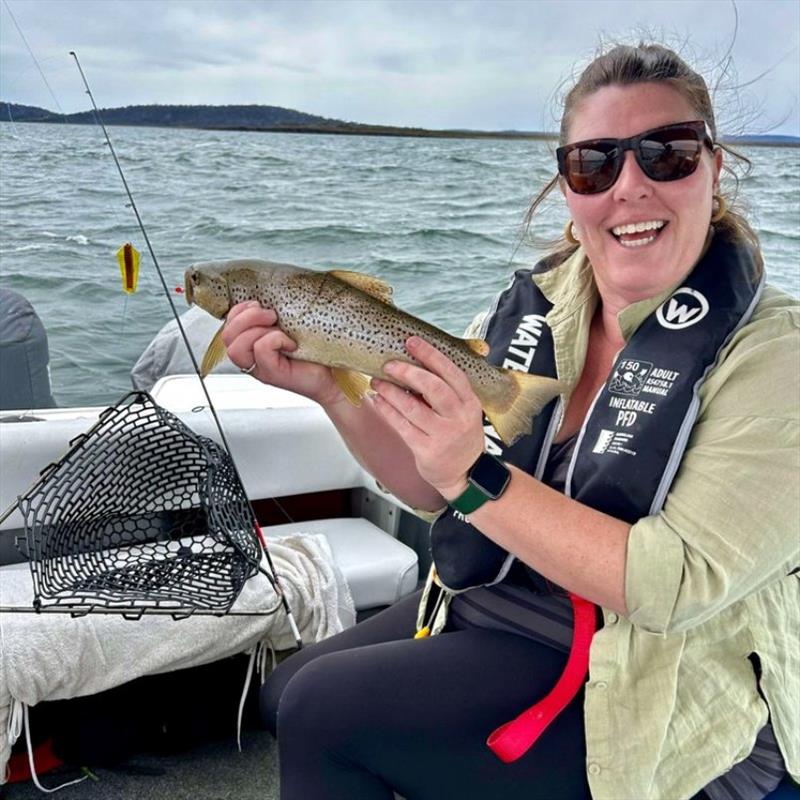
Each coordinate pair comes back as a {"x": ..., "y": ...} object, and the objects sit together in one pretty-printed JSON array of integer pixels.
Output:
[{"x": 672, "y": 700}]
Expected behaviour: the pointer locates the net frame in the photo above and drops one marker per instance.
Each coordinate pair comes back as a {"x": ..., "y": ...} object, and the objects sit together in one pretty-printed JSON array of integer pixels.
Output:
[{"x": 141, "y": 515}]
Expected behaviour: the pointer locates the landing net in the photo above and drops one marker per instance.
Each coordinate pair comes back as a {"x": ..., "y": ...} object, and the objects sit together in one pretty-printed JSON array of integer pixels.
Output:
[{"x": 141, "y": 514}]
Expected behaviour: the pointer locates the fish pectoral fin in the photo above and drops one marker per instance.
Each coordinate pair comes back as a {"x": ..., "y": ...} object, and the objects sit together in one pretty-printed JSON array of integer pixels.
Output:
[
  {"x": 368, "y": 284},
  {"x": 355, "y": 385},
  {"x": 478, "y": 346},
  {"x": 214, "y": 354}
]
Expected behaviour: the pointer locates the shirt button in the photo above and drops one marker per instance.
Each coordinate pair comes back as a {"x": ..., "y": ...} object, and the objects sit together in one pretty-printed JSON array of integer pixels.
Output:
[
  {"x": 594, "y": 769},
  {"x": 611, "y": 618},
  {"x": 601, "y": 685}
]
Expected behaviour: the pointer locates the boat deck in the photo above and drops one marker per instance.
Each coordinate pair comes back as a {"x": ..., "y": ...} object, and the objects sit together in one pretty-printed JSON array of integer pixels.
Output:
[{"x": 216, "y": 771}]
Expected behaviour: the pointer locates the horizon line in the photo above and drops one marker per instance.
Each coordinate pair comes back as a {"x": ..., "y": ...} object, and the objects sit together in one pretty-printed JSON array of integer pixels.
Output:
[{"x": 341, "y": 126}]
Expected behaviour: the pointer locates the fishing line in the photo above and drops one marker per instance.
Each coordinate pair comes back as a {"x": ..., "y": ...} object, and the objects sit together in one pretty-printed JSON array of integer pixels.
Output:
[
  {"x": 35, "y": 60},
  {"x": 273, "y": 578}
]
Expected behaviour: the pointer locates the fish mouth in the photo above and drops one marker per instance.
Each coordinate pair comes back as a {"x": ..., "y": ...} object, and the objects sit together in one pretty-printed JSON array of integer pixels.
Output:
[{"x": 188, "y": 286}]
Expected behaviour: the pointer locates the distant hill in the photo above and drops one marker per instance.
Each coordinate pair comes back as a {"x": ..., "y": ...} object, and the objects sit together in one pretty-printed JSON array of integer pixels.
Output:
[
  {"x": 177, "y": 116},
  {"x": 241, "y": 118},
  {"x": 18, "y": 113},
  {"x": 764, "y": 139},
  {"x": 275, "y": 118}
]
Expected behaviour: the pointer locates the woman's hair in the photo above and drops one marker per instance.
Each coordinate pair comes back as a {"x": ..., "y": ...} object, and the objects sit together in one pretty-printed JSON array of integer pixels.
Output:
[{"x": 624, "y": 65}]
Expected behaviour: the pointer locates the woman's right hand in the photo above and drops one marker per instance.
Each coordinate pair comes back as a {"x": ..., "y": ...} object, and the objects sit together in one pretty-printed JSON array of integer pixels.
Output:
[{"x": 252, "y": 336}]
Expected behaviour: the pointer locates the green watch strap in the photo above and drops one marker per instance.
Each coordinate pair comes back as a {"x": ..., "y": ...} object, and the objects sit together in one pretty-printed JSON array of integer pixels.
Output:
[{"x": 471, "y": 499}]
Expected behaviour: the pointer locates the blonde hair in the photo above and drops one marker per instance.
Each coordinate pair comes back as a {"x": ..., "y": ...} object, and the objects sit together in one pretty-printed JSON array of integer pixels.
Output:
[{"x": 624, "y": 65}]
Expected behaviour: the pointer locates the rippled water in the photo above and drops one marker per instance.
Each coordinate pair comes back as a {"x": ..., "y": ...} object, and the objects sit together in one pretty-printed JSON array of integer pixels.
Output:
[{"x": 438, "y": 219}]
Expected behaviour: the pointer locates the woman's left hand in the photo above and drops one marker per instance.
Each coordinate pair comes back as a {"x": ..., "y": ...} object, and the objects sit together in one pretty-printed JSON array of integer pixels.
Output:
[{"x": 441, "y": 419}]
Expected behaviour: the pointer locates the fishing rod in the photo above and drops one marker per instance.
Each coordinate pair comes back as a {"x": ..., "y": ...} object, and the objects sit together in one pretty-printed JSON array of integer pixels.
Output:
[{"x": 273, "y": 578}]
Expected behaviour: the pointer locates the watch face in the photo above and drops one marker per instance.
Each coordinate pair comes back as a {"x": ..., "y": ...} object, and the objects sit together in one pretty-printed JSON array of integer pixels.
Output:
[{"x": 490, "y": 475}]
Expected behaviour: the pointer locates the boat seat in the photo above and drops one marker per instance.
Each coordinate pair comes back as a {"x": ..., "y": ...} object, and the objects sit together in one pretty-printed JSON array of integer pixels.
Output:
[{"x": 378, "y": 568}]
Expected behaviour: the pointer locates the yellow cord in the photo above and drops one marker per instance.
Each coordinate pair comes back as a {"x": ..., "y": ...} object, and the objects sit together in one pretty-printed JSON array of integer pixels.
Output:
[{"x": 425, "y": 631}]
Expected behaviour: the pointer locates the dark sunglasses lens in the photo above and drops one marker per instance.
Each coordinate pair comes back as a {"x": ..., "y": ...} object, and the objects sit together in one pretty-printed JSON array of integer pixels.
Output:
[
  {"x": 592, "y": 168},
  {"x": 670, "y": 155}
]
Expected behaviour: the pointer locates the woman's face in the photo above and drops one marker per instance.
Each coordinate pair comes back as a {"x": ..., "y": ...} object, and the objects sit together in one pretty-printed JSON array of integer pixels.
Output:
[{"x": 624, "y": 269}]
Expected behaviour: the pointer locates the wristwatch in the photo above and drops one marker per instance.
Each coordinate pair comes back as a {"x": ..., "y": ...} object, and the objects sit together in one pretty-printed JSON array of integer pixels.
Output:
[{"x": 488, "y": 478}]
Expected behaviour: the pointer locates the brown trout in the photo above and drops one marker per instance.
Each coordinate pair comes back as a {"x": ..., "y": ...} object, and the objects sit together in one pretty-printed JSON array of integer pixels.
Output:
[{"x": 347, "y": 321}]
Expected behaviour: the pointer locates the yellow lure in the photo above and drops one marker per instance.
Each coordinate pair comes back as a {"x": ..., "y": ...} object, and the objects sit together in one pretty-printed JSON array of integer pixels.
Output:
[{"x": 129, "y": 257}]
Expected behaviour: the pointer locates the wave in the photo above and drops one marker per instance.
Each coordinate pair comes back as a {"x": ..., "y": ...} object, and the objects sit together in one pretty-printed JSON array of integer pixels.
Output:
[
  {"x": 24, "y": 248},
  {"x": 333, "y": 235},
  {"x": 430, "y": 217},
  {"x": 453, "y": 235},
  {"x": 779, "y": 239},
  {"x": 472, "y": 162},
  {"x": 32, "y": 202},
  {"x": 269, "y": 160},
  {"x": 53, "y": 238},
  {"x": 111, "y": 191},
  {"x": 33, "y": 283}
]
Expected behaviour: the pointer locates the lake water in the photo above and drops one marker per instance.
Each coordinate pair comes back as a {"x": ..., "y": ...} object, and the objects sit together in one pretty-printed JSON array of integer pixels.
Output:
[{"x": 438, "y": 219}]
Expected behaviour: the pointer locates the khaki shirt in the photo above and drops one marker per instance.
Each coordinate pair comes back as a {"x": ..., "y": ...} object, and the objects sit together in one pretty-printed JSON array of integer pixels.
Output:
[{"x": 672, "y": 700}]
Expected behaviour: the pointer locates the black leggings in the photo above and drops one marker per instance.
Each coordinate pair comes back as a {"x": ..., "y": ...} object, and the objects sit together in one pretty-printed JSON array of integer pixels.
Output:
[{"x": 373, "y": 710}]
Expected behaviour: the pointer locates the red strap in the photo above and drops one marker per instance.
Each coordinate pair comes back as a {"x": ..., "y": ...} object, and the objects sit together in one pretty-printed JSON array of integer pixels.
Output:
[{"x": 512, "y": 740}]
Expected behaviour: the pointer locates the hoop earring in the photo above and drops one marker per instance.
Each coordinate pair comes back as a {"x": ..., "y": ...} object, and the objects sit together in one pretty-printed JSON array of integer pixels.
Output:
[
  {"x": 719, "y": 208},
  {"x": 569, "y": 233}
]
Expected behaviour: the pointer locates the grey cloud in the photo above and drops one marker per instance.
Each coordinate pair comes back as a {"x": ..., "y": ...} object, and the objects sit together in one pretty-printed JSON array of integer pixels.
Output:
[{"x": 442, "y": 63}]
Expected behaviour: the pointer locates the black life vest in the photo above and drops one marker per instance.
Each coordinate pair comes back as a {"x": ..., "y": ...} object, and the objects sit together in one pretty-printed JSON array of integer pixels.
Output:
[{"x": 634, "y": 436}]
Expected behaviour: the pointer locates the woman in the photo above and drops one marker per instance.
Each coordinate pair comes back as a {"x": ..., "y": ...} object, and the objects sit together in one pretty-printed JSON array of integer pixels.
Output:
[{"x": 680, "y": 376}]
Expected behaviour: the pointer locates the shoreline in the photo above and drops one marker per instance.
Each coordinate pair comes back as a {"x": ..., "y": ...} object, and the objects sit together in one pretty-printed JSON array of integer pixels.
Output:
[{"x": 389, "y": 131}]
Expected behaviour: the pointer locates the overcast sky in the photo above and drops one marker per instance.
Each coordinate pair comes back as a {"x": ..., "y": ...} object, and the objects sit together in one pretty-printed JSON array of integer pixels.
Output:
[{"x": 483, "y": 64}]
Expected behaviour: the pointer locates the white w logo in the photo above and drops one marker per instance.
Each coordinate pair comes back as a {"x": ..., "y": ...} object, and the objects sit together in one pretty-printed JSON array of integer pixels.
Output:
[
  {"x": 681, "y": 313},
  {"x": 677, "y": 315}
]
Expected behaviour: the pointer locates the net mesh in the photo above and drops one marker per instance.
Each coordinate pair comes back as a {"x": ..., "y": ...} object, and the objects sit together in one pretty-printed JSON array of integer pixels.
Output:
[{"x": 140, "y": 514}]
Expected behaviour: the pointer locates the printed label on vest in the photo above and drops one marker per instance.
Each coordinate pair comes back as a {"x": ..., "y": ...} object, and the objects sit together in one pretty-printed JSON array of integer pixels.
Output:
[
  {"x": 492, "y": 443},
  {"x": 614, "y": 443},
  {"x": 522, "y": 348},
  {"x": 635, "y": 387}
]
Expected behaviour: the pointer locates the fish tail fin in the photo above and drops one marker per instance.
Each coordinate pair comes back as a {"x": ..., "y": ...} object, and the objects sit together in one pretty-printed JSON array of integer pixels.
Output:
[{"x": 529, "y": 395}]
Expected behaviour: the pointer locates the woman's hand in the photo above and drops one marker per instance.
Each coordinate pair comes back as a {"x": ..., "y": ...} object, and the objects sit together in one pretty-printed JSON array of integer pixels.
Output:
[
  {"x": 442, "y": 422},
  {"x": 252, "y": 336}
]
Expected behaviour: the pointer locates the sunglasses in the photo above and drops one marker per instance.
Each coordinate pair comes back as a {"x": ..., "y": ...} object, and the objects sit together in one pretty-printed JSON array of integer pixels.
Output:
[{"x": 668, "y": 153}]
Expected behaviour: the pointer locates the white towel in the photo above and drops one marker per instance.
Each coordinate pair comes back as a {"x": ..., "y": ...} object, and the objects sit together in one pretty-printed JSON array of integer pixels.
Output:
[{"x": 53, "y": 656}]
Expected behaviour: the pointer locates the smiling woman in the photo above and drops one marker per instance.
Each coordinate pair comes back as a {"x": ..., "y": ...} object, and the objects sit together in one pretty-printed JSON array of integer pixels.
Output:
[
  {"x": 649, "y": 500},
  {"x": 646, "y": 227}
]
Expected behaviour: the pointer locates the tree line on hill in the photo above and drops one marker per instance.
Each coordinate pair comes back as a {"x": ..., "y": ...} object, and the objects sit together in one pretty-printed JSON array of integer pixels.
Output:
[
  {"x": 232, "y": 117},
  {"x": 275, "y": 118}
]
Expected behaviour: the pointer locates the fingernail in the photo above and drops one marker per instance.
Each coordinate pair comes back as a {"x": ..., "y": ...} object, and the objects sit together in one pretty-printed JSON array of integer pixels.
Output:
[
  {"x": 414, "y": 341},
  {"x": 390, "y": 367},
  {"x": 254, "y": 304}
]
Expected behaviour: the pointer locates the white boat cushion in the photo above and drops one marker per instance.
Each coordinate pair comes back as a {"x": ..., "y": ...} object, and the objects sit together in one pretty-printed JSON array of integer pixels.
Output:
[
  {"x": 378, "y": 568},
  {"x": 54, "y": 657}
]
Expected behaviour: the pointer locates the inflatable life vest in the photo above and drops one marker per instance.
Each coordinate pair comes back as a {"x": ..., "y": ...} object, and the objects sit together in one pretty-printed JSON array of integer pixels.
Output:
[
  {"x": 628, "y": 449},
  {"x": 632, "y": 441}
]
